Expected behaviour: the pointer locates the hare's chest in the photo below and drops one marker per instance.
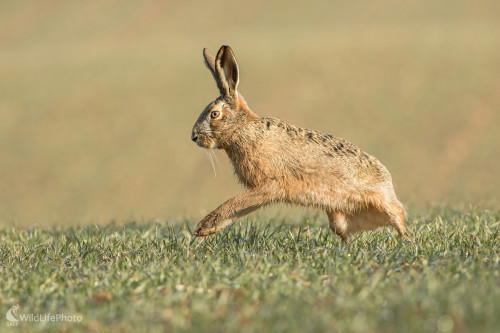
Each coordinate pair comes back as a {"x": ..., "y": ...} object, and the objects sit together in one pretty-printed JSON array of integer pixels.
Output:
[{"x": 257, "y": 165}]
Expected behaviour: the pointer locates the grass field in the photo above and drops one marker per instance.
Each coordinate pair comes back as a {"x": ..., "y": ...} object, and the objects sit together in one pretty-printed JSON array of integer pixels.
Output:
[{"x": 269, "y": 275}]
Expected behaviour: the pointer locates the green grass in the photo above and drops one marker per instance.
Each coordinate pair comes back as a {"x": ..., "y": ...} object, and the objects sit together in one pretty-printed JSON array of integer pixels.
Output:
[{"x": 273, "y": 275}]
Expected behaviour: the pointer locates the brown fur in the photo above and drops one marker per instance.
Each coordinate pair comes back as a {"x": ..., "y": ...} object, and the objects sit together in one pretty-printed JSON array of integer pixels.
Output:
[{"x": 280, "y": 162}]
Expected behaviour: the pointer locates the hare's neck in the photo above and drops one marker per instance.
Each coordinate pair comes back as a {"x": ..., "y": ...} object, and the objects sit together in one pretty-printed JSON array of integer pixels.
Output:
[
  {"x": 237, "y": 151},
  {"x": 240, "y": 146},
  {"x": 242, "y": 105}
]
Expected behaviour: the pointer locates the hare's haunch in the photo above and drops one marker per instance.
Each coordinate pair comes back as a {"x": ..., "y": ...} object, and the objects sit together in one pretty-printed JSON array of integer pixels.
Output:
[{"x": 280, "y": 162}]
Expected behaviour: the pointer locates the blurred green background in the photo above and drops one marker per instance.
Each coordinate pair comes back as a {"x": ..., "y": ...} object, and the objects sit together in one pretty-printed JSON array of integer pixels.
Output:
[{"x": 98, "y": 98}]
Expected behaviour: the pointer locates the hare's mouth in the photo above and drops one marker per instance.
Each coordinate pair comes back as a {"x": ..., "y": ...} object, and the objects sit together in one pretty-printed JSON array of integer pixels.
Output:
[{"x": 204, "y": 141}]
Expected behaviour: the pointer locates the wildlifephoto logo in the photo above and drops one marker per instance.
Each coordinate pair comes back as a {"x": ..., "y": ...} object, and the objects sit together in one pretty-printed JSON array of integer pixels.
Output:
[{"x": 14, "y": 317}]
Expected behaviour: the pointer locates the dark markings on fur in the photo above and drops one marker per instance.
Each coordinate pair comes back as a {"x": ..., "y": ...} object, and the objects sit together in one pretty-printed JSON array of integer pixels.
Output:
[
  {"x": 292, "y": 131},
  {"x": 365, "y": 158},
  {"x": 337, "y": 146},
  {"x": 330, "y": 154}
]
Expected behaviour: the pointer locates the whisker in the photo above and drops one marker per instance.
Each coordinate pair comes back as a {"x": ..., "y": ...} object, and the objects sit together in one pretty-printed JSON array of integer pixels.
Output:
[
  {"x": 211, "y": 161},
  {"x": 216, "y": 158}
]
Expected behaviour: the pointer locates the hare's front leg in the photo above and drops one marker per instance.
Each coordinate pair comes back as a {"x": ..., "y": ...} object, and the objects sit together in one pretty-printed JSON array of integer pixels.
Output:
[{"x": 235, "y": 208}]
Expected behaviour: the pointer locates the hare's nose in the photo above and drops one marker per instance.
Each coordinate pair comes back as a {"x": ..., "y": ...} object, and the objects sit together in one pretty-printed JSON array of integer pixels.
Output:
[
  {"x": 194, "y": 134},
  {"x": 194, "y": 137}
]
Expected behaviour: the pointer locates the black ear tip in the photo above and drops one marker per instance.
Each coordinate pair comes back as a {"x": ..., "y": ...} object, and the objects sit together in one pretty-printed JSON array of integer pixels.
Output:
[{"x": 225, "y": 48}]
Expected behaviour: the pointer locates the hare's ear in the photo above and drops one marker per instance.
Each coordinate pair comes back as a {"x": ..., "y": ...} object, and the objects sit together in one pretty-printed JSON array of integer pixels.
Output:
[
  {"x": 210, "y": 63},
  {"x": 226, "y": 70}
]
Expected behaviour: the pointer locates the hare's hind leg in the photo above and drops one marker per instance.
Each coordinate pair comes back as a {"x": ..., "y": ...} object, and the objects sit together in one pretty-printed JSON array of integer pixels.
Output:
[
  {"x": 346, "y": 224},
  {"x": 396, "y": 216},
  {"x": 235, "y": 208},
  {"x": 390, "y": 214},
  {"x": 338, "y": 223}
]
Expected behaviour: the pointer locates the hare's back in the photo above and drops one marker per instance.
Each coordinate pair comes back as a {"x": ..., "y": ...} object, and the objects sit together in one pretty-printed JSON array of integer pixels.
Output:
[{"x": 313, "y": 151}]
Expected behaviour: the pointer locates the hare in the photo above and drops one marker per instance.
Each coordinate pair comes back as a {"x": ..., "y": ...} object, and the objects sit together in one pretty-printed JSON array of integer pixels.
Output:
[{"x": 282, "y": 163}]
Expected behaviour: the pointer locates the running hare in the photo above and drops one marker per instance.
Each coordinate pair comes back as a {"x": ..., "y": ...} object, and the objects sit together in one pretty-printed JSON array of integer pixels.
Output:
[{"x": 280, "y": 162}]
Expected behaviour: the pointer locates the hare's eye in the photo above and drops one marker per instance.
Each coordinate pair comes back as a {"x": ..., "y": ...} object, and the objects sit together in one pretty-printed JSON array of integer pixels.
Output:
[{"x": 215, "y": 114}]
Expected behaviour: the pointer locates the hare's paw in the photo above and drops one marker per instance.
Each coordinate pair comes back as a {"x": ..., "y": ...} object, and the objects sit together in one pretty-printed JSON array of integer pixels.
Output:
[
  {"x": 207, "y": 226},
  {"x": 202, "y": 231},
  {"x": 211, "y": 224}
]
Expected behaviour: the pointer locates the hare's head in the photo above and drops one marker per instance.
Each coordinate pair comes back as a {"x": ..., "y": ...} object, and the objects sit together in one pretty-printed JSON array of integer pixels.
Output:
[{"x": 221, "y": 118}]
